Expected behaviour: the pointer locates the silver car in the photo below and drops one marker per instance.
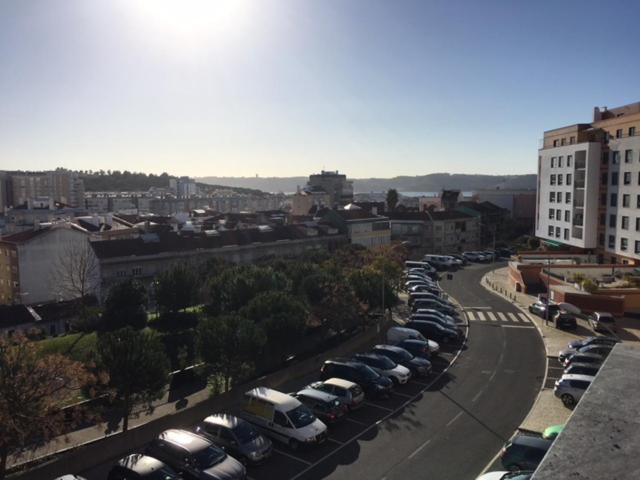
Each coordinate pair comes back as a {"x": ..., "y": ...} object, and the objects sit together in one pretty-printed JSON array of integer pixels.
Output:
[{"x": 570, "y": 388}]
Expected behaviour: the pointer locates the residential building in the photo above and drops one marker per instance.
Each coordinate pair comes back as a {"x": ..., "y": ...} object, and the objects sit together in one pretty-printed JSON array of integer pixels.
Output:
[
  {"x": 437, "y": 232},
  {"x": 336, "y": 185},
  {"x": 61, "y": 186},
  {"x": 492, "y": 219},
  {"x": 361, "y": 226},
  {"x": 589, "y": 185},
  {"x": 29, "y": 262}
]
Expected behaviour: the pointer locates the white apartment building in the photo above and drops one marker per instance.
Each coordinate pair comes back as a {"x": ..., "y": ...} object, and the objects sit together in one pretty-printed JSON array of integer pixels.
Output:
[{"x": 588, "y": 192}]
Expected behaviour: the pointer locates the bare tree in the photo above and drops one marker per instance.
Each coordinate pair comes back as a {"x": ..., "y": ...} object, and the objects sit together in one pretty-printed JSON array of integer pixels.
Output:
[{"x": 75, "y": 271}]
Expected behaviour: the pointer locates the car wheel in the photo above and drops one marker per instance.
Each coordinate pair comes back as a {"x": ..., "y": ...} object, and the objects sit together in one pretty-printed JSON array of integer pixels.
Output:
[
  {"x": 294, "y": 444},
  {"x": 568, "y": 400}
]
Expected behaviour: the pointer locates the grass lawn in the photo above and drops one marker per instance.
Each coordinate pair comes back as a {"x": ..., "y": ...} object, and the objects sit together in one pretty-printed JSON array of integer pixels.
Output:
[{"x": 78, "y": 346}]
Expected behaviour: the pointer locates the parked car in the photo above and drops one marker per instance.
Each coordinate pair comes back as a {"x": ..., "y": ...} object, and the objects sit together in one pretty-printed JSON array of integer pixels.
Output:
[
  {"x": 460, "y": 258},
  {"x": 371, "y": 381},
  {"x": 565, "y": 320},
  {"x": 517, "y": 475},
  {"x": 138, "y": 466},
  {"x": 71, "y": 476},
  {"x": 524, "y": 452},
  {"x": 434, "y": 330},
  {"x": 415, "y": 296},
  {"x": 540, "y": 309},
  {"x": 602, "y": 322},
  {"x": 552, "y": 431},
  {"x": 194, "y": 456},
  {"x": 237, "y": 436},
  {"x": 385, "y": 366},
  {"x": 473, "y": 256},
  {"x": 570, "y": 388},
  {"x": 598, "y": 349},
  {"x": 579, "y": 357},
  {"x": 283, "y": 418},
  {"x": 590, "y": 369},
  {"x": 600, "y": 340},
  {"x": 419, "y": 348},
  {"x": 349, "y": 393},
  {"x": 429, "y": 303},
  {"x": 445, "y": 322},
  {"x": 325, "y": 406},
  {"x": 417, "y": 365},
  {"x": 432, "y": 311},
  {"x": 424, "y": 288}
]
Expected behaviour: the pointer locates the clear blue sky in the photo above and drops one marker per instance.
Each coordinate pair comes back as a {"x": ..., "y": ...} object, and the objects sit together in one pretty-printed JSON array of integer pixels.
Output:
[{"x": 287, "y": 87}]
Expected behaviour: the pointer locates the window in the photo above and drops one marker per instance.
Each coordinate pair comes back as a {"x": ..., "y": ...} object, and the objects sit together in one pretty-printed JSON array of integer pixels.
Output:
[
  {"x": 632, "y": 131},
  {"x": 553, "y": 162},
  {"x": 612, "y": 221},
  {"x": 558, "y": 232},
  {"x": 614, "y": 178},
  {"x": 560, "y": 178},
  {"x": 603, "y": 219},
  {"x": 627, "y": 178},
  {"x": 552, "y": 197},
  {"x": 612, "y": 242},
  {"x": 280, "y": 419},
  {"x": 615, "y": 157},
  {"x": 568, "y": 179},
  {"x": 567, "y": 216},
  {"x": 552, "y": 214},
  {"x": 601, "y": 240},
  {"x": 136, "y": 271},
  {"x": 550, "y": 230},
  {"x": 628, "y": 156},
  {"x": 614, "y": 200},
  {"x": 619, "y": 133},
  {"x": 625, "y": 223},
  {"x": 566, "y": 234},
  {"x": 555, "y": 144},
  {"x": 637, "y": 224},
  {"x": 552, "y": 179},
  {"x": 121, "y": 273},
  {"x": 637, "y": 247},
  {"x": 562, "y": 142},
  {"x": 559, "y": 197},
  {"x": 623, "y": 244},
  {"x": 567, "y": 197},
  {"x": 558, "y": 214},
  {"x": 626, "y": 200},
  {"x": 572, "y": 140},
  {"x": 638, "y": 201},
  {"x": 559, "y": 162}
]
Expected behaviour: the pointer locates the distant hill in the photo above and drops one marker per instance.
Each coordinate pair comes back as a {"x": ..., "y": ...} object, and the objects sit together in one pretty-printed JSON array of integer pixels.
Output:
[{"x": 433, "y": 182}]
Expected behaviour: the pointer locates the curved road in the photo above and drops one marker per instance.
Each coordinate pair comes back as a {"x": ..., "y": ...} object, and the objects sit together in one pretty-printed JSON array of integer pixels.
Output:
[{"x": 456, "y": 427}]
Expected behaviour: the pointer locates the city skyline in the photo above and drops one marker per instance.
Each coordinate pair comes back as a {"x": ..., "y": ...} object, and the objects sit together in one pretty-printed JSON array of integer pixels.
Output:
[{"x": 373, "y": 89}]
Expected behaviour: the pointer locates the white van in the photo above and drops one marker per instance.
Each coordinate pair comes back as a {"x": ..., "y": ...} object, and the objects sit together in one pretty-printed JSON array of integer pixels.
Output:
[
  {"x": 442, "y": 262},
  {"x": 396, "y": 335},
  {"x": 282, "y": 417}
]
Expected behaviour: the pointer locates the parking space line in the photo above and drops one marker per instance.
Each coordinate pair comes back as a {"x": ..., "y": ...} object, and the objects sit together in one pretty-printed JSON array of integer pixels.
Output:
[
  {"x": 417, "y": 450},
  {"x": 357, "y": 422},
  {"x": 378, "y": 406},
  {"x": 477, "y": 396},
  {"x": 455, "y": 418},
  {"x": 402, "y": 395},
  {"x": 418, "y": 382},
  {"x": 292, "y": 457},
  {"x": 330, "y": 439}
]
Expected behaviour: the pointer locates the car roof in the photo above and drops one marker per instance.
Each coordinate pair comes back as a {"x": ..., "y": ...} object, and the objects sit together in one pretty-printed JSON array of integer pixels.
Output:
[
  {"x": 185, "y": 439},
  {"x": 531, "y": 441},
  {"x": 140, "y": 463},
  {"x": 586, "y": 355},
  {"x": 594, "y": 366},
  {"x": 270, "y": 395},
  {"x": 339, "y": 382},
  {"x": 371, "y": 355},
  {"x": 223, "y": 420},
  {"x": 576, "y": 376},
  {"x": 391, "y": 348},
  {"x": 413, "y": 340},
  {"x": 316, "y": 394}
]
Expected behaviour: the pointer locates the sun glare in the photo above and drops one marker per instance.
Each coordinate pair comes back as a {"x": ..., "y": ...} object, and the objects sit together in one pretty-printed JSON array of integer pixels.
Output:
[{"x": 190, "y": 23}]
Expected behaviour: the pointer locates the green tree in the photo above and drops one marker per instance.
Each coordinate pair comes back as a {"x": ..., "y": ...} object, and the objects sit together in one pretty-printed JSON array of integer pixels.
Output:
[
  {"x": 392, "y": 199},
  {"x": 125, "y": 306},
  {"x": 176, "y": 289},
  {"x": 33, "y": 388},
  {"x": 230, "y": 345},
  {"x": 372, "y": 288},
  {"x": 339, "y": 311},
  {"x": 283, "y": 319},
  {"x": 137, "y": 366}
]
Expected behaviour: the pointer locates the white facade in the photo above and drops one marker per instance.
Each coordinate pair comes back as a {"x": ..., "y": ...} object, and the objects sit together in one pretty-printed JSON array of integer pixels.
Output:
[
  {"x": 623, "y": 198},
  {"x": 567, "y": 199},
  {"x": 369, "y": 233}
]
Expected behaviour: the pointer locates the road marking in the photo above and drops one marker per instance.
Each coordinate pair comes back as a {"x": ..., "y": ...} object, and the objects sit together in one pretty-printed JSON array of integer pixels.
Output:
[
  {"x": 481, "y": 316},
  {"x": 525, "y": 317},
  {"x": 477, "y": 396},
  {"x": 512, "y": 317},
  {"x": 455, "y": 418},
  {"x": 378, "y": 406},
  {"x": 477, "y": 308},
  {"x": 417, "y": 382},
  {"x": 357, "y": 422},
  {"x": 471, "y": 315},
  {"x": 402, "y": 395},
  {"x": 491, "y": 316},
  {"x": 292, "y": 457},
  {"x": 502, "y": 316},
  {"x": 415, "y": 452},
  {"x": 517, "y": 326},
  {"x": 330, "y": 439}
]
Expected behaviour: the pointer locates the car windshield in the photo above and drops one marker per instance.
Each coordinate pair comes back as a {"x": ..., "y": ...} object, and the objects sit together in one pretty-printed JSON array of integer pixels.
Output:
[
  {"x": 301, "y": 416},
  {"x": 386, "y": 363},
  {"x": 402, "y": 355},
  {"x": 164, "y": 473},
  {"x": 245, "y": 432},
  {"x": 368, "y": 373},
  {"x": 208, "y": 457}
]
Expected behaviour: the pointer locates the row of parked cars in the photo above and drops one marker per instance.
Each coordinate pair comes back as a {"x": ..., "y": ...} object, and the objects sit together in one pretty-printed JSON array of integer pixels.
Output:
[{"x": 603, "y": 322}]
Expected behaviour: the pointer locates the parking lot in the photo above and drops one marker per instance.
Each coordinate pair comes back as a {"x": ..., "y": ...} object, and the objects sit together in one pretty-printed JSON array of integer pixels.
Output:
[{"x": 554, "y": 372}]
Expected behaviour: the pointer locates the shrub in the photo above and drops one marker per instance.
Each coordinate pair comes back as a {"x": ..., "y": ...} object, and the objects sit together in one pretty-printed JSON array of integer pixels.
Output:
[{"x": 589, "y": 285}]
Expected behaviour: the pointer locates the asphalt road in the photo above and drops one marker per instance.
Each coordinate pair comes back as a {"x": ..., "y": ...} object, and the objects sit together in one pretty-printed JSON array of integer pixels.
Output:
[{"x": 449, "y": 427}]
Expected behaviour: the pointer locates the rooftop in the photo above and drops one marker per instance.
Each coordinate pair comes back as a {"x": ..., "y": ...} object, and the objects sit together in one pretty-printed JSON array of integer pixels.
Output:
[{"x": 602, "y": 436}]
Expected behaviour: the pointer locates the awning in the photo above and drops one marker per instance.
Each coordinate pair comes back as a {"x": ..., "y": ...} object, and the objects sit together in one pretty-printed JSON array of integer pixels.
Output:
[{"x": 553, "y": 243}]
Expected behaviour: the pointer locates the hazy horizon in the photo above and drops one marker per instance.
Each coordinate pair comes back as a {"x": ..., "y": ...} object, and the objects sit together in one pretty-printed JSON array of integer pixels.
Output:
[{"x": 284, "y": 88}]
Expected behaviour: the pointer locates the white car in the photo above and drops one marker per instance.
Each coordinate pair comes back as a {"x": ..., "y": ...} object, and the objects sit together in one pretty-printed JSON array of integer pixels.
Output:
[
  {"x": 503, "y": 475},
  {"x": 385, "y": 366}
]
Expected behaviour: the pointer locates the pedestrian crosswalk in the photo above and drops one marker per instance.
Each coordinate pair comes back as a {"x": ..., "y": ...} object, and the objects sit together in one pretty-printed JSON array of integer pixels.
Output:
[{"x": 490, "y": 316}]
